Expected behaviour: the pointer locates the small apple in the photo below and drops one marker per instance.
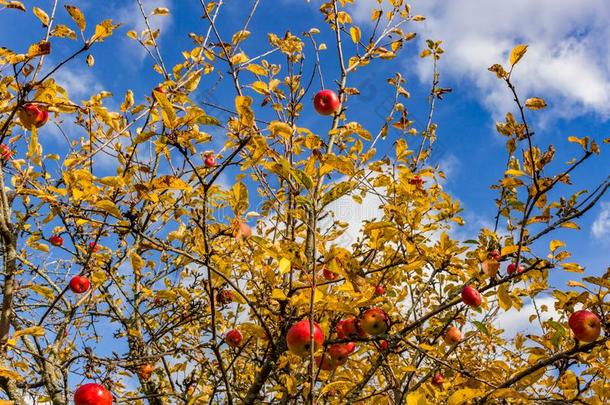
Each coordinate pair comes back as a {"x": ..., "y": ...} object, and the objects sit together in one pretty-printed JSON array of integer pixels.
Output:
[
  {"x": 494, "y": 254},
  {"x": 438, "y": 379},
  {"x": 417, "y": 181},
  {"x": 339, "y": 353},
  {"x": 512, "y": 267},
  {"x": 93, "y": 246},
  {"x": 56, "y": 240},
  {"x": 146, "y": 371},
  {"x": 5, "y": 153},
  {"x": 92, "y": 394},
  {"x": 383, "y": 345},
  {"x": 346, "y": 327},
  {"x": 452, "y": 336},
  {"x": 329, "y": 275},
  {"x": 471, "y": 297},
  {"x": 351, "y": 347},
  {"x": 326, "y": 102},
  {"x": 233, "y": 338},
  {"x": 379, "y": 290},
  {"x": 210, "y": 160},
  {"x": 298, "y": 337},
  {"x": 374, "y": 321},
  {"x": 241, "y": 230},
  {"x": 79, "y": 284},
  {"x": 33, "y": 115},
  {"x": 225, "y": 297},
  {"x": 585, "y": 325}
]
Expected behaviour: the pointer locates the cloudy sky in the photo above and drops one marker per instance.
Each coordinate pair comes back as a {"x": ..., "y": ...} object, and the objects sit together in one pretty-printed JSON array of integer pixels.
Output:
[{"x": 567, "y": 63}]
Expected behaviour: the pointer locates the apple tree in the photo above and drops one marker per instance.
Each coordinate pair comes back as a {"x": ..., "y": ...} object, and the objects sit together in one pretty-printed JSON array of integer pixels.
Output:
[{"x": 212, "y": 265}]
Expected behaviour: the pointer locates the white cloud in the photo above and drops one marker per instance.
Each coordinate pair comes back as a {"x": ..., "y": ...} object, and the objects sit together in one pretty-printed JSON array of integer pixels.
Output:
[
  {"x": 601, "y": 226},
  {"x": 79, "y": 81},
  {"x": 513, "y": 321},
  {"x": 567, "y": 63}
]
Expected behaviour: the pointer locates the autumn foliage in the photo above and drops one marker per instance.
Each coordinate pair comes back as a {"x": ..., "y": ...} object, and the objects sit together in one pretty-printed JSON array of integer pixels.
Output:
[{"x": 195, "y": 272}]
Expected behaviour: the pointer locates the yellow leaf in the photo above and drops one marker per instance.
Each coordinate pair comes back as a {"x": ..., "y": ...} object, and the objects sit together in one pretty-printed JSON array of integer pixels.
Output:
[
  {"x": 517, "y": 53},
  {"x": 98, "y": 277},
  {"x": 514, "y": 172},
  {"x": 109, "y": 207},
  {"x": 573, "y": 283},
  {"x": 16, "y": 5},
  {"x": 169, "y": 183},
  {"x": 572, "y": 267},
  {"x": 535, "y": 103},
  {"x": 240, "y": 36},
  {"x": 46, "y": 292},
  {"x": 257, "y": 69},
  {"x": 504, "y": 299},
  {"x": 161, "y": 11},
  {"x": 10, "y": 374},
  {"x": 243, "y": 105},
  {"x": 507, "y": 250},
  {"x": 555, "y": 244},
  {"x": 136, "y": 262},
  {"x": 40, "y": 48},
  {"x": 284, "y": 265},
  {"x": 31, "y": 331},
  {"x": 77, "y": 16},
  {"x": 416, "y": 398},
  {"x": 62, "y": 31},
  {"x": 277, "y": 294},
  {"x": 239, "y": 58},
  {"x": 42, "y": 16},
  {"x": 464, "y": 395},
  {"x": 570, "y": 225},
  {"x": 104, "y": 30},
  {"x": 355, "y": 33},
  {"x": 260, "y": 87}
]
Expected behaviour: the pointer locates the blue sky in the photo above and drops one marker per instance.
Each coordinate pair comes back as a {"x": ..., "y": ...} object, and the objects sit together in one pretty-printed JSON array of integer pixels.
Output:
[{"x": 568, "y": 64}]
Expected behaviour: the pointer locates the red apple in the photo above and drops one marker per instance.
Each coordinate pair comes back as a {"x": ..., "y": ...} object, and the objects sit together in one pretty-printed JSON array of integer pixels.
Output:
[
  {"x": 351, "y": 346},
  {"x": 92, "y": 394},
  {"x": 146, "y": 371},
  {"x": 452, "y": 336},
  {"x": 374, "y": 321},
  {"x": 339, "y": 353},
  {"x": 585, "y": 325},
  {"x": 225, "y": 297},
  {"x": 324, "y": 362},
  {"x": 494, "y": 254},
  {"x": 298, "y": 337},
  {"x": 93, "y": 246},
  {"x": 56, "y": 240},
  {"x": 384, "y": 345},
  {"x": 326, "y": 102},
  {"x": 417, "y": 181},
  {"x": 379, "y": 290},
  {"x": 209, "y": 161},
  {"x": 33, "y": 115},
  {"x": 471, "y": 297},
  {"x": 438, "y": 379},
  {"x": 79, "y": 284},
  {"x": 5, "y": 153},
  {"x": 346, "y": 327},
  {"x": 233, "y": 338},
  {"x": 512, "y": 267},
  {"x": 329, "y": 275}
]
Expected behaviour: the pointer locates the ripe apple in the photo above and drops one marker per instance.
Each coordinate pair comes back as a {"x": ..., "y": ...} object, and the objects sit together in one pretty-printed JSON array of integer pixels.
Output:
[
  {"x": 5, "y": 153},
  {"x": 233, "y": 338},
  {"x": 329, "y": 275},
  {"x": 79, "y": 284},
  {"x": 374, "y": 321},
  {"x": 209, "y": 161},
  {"x": 379, "y": 290},
  {"x": 452, "y": 336},
  {"x": 585, "y": 325},
  {"x": 471, "y": 297},
  {"x": 417, "y": 181},
  {"x": 92, "y": 394},
  {"x": 326, "y": 102},
  {"x": 324, "y": 362},
  {"x": 93, "y": 246},
  {"x": 146, "y": 371},
  {"x": 512, "y": 267},
  {"x": 339, "y": 353},
  {"x": 33, "y": 115},
  {"x": 298, "y": 337},
  {"x": 384, "y": 345},
  {"x": 56, "y": 240},
  {"x": 494, "y": 254},
  {"x": 438, "y": 379},
  {"x": 225, "y": 297},
  {"x": 346, "y": 327},
  {"x": 351, "y": 347}
]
